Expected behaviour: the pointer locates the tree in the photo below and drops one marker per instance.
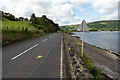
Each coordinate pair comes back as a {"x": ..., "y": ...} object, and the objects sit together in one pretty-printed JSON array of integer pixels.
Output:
[
  {"x": 0, "y": 15},
  {"x": 21, "y": 18},
  {"x": 17, "y": 19},
  {"x": 7, "y": 14},
  {"x": 10, "y": 17},
  {"x": 33, "y": 19},
  {"x": 26, "y": 19},
  {"x": 44, "y": 16}
]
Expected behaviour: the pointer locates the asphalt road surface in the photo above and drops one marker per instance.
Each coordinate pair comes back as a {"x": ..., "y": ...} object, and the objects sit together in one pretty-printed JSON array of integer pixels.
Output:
[{"x": 36, "y": 58}]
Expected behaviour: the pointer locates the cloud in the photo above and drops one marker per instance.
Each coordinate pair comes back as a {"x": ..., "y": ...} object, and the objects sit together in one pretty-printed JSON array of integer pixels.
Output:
[
  {"x": 105, "y": 7},
  {"x": 61, "y": 11},
  {"x": 113, "y": 15}
]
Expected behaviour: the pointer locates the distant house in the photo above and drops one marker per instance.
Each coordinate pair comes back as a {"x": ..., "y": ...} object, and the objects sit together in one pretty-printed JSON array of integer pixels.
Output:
[{"x": 85, "y": 27}]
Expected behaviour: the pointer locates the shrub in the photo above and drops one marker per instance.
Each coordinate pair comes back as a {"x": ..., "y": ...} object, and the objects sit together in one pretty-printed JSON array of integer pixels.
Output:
[
  {"x": 93, "y": 70},
  {"x": 78, "y": 44}
]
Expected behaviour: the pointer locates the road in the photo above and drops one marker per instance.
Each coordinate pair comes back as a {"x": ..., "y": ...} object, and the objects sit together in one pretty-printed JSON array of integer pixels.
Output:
[{"x": 36, "y": 58}]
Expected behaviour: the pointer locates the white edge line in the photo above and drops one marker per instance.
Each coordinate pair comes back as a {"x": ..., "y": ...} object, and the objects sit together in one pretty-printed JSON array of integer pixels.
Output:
[
  {"x": 24, "y": 52},
  {"x": 61, "y": 60}
]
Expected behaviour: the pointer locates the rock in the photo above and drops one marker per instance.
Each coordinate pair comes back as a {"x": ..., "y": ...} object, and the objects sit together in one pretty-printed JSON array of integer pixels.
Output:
[
  {"x": 71, "y": 55},
  {"x": 74, "y": 62},
  {"x": 77, "y": 66},
  {"x": 79, "y": 75},
  {"x": 86, "y": 70}
]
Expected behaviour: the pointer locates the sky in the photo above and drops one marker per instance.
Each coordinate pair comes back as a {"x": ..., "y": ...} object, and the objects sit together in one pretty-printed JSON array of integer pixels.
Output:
[{"x": 64, "y": 12}]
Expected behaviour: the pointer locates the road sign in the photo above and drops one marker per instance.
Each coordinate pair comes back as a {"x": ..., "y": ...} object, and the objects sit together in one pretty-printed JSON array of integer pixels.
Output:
[
  {"x": 83, "y": 27},
  {"x": 80, "y": 28}
]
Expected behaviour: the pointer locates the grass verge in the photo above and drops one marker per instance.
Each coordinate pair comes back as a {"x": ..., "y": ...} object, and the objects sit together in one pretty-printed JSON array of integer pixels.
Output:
[
  {"x": 93, "y": 70},
  {"x": 12, "y": 36}
]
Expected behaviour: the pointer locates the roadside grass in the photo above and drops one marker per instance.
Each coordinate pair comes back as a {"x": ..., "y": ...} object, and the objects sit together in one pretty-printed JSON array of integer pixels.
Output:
[
  {"x": 16, "y": 31},
  {"x": 78, "y": 44},
  {"x": 93, "y": 70},
  {"x": 12, "y": 36}
]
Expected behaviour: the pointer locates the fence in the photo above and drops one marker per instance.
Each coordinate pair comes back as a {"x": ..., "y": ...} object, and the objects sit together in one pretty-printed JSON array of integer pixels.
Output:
[{"x": 22, "y": 28}]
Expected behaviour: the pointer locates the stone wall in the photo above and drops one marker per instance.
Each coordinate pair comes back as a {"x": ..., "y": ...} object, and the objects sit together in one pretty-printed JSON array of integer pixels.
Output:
[{"x": 74, "y": 67}]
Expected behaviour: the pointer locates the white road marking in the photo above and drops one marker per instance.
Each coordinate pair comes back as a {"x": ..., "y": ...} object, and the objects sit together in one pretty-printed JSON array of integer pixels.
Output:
[
  {"x": 52, "y": 36},
  {"x": 24, "y": 52},
  {"x": 61, "y": 60},
  {"x": 44, "y": 40}
]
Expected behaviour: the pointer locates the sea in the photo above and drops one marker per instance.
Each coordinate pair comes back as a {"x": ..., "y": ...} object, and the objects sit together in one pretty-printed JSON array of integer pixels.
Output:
[{"x": 109, "y": 40}]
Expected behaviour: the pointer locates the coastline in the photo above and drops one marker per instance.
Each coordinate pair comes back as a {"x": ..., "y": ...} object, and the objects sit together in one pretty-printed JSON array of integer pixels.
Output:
[
  {"x": 101, "y": 58},
  {"x": 107, "y": 50}
]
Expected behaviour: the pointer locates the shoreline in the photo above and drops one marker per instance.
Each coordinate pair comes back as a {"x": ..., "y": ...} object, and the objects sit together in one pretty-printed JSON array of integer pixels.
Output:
[
  {"x": 101, "y": 58},
  {"x": 107, "y": 50},
  {"x": 101, "y": 31}
]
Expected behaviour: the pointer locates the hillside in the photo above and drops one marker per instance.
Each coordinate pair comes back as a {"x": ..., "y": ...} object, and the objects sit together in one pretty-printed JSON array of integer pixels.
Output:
[
  {"x": 111, "y": 25},
  {"x": 43, "y": 23},
  {"x": 19, "y": 29},
  {"x": 16, "y": 25},
  {"x": 35, "y": 23}
]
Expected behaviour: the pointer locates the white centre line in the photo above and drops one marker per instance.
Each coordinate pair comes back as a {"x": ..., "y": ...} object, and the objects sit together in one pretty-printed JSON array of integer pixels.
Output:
[
  {"x": 24, "y": 52},
  {"x": 44, "y": 40},
  {"x": 51, "y": 36},
  {"x": 61, "y": 61}
]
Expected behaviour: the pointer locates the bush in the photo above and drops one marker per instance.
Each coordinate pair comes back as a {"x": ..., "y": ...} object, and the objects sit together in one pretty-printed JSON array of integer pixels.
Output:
[
  {"x": 93, "y": 70},
  {"x": 78, "y": 44}
]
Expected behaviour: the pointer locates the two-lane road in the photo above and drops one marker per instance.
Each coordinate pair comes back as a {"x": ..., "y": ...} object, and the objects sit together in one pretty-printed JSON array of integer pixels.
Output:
[{"x": 36, "y": 58}]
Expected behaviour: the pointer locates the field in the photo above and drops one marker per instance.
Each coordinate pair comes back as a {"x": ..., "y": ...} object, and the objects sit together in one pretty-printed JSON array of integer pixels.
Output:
[
  {"x": 15, "y": 31},
  {"x": 16, "y": 25}
]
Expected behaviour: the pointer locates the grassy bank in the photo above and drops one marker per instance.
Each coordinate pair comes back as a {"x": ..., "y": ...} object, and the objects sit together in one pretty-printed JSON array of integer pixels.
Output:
[
  {"x": 16, "y": 31},
  {"x": 12, "y": 36},
  {"x": 93, "y": 70}
]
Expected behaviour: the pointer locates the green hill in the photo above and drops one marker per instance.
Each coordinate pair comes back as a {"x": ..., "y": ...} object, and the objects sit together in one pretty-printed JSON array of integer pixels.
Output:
[
  {"x": 43, "y": 23},
  {"x": 19, "y": 29},
  {"x": 9, "y": 21},
  {"x": 111, "y": 25}
]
